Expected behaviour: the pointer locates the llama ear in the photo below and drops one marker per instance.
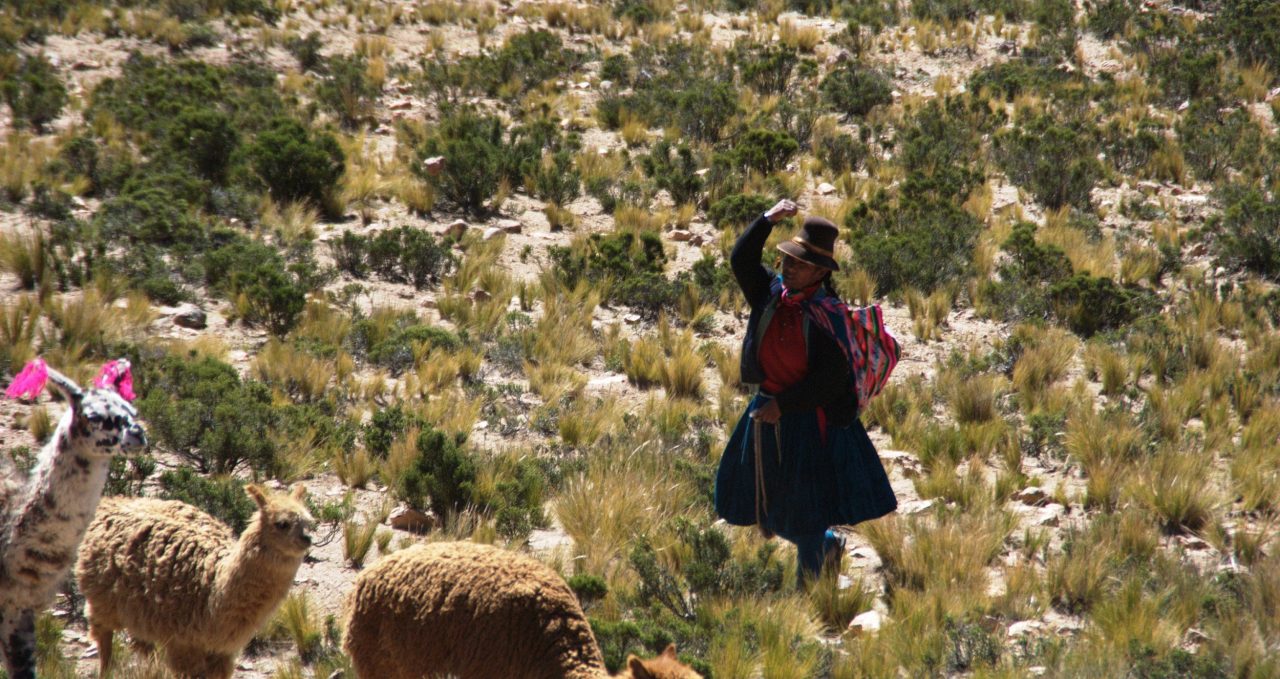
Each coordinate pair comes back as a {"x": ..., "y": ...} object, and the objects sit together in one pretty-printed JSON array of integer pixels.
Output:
[
  {"x": 298, "y": 492},
  {"x": 66, "y": 386},
  {"x": 670, "y": 651},
  {"x": 256, "y": 493},
  {"x": 638, "y": 670}
]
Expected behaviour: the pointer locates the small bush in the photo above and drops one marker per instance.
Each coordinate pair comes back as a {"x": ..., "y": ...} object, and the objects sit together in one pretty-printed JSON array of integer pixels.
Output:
[
  {"x": 275, "y": 292},
  {"x": 348, "y": 91},
  {"x": 307, "y": 51},
  {"x": 149, "y": 216},
  {"x": 296, "y": 164},
  {"x": 764, "y": 150},
  {"x": 474, "y": 146},
  {"x": 1252, "y": 27},
  {"x": 705, "y": 108},
  {"x": 442, "y": 476},
  {"x": 207, "y": 139},
  {"x": 201, "y": 411},
  {"x": 1212, "y": 142},
  {"x": 35, "y": 93},
  {"x": 1089, "y": 304},
  {"x": 223, "y": 497},
  {"x": 675, "y": 173},
  {"x": 1248, "y": 231},
  {"x": 633, "y": 263},
  {"x": 842, "y": 153},
  {"x": 1109, "y": 18},
  {"x": 925, "y": 243},
  {"x": 554, "y": 178},
  {"x": 1057, "y": 163},
  {"x": 408, "y": 255},
  {"x": 768, "y": 69},
  {"x": 738, "y": 210},
  {"x": 854, "y": 90}
]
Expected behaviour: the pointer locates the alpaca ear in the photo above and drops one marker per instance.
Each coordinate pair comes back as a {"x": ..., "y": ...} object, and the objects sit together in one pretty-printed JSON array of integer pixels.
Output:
[
  {"x": 638, "y": 670},
  {"x": 66, "y": 386},
  {"x": 670, "y": 651},
  {"x": 256, "y": 493},
  {"x": 298, "y": 492}
]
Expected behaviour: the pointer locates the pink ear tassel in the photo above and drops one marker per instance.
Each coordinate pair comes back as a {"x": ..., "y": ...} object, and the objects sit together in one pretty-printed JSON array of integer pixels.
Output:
[
  {"x": 30, "y": 382},
  {"x": 117, "y": 375}
]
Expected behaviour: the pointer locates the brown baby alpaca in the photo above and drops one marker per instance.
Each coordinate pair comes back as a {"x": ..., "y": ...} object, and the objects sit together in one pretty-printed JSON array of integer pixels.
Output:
[
  {"x": 177, "y": 578},
  {"x": 477, "y": 612}
]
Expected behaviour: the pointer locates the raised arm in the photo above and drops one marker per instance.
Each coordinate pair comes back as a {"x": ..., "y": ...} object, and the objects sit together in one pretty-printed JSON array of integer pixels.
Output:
[{"x": 745, "y": 259}]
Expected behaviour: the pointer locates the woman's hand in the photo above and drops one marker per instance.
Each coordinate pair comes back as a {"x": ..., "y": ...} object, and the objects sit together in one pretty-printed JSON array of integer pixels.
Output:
[
  {"x": 769, "y": 413},
  {"x": 781, "y": 211}
]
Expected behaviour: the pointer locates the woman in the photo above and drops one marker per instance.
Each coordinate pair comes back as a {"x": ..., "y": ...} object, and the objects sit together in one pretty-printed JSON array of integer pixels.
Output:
[{"x": 799, "y": 461}]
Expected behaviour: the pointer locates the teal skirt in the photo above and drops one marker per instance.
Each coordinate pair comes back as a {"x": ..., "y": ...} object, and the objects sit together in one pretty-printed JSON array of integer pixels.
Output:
[{"x": 805, "y": 484}]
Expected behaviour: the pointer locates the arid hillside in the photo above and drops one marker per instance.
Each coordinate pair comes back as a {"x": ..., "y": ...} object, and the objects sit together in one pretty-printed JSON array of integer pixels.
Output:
[{"x": 460, "y": 268}]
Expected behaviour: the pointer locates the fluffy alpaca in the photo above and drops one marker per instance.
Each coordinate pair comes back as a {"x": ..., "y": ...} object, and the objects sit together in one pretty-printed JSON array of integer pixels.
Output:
[
  {"x": 177, "y": 578},
  {"x": 43, "y": 520},
  {"x": 476, "y": 612}
]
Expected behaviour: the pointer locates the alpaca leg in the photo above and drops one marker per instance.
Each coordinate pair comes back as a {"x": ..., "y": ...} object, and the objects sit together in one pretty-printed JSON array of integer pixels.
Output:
[
  {"x": 102, "y": 636},
  {"x": 19, "y": 645}
]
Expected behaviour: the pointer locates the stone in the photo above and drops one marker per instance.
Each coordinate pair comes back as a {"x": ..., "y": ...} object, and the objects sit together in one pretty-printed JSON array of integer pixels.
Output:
[
  {"x": 866, "y": 622},
  {"x": 826, "y": 189},
  {"x": 1032, "y": 495},
  {"x": 189, "y": 316},
  {"x": 410, "y": 519},
  {"x": 492, "y": 232},
  {"x": 86, "y": 65},
  {"x": 681, "y": 236},
  {"x": 402, "y": 105},
  {"x": 455, "y": 229},
  {"x": 1273, "y": 93},
  {"x": 703, "y": 172},
  {"x": 1193, "y": 199},
  {"x": 434, "y": 165},
  {"x": 479, "y": 295},
  {"x": 1024, "y": 627},
  {"x": 510, "y": 226},
  {"x": 606, "y": 84},
  {"x": 1049, "y": 515},
  {"x": 631, "y": 319},
  {"x": 917, "y": 506},
  {"x": 1192, "y": 543}
]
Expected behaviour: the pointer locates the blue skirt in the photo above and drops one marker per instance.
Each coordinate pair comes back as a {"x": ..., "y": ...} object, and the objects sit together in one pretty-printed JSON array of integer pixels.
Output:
[{"x": 808, "y": 485}]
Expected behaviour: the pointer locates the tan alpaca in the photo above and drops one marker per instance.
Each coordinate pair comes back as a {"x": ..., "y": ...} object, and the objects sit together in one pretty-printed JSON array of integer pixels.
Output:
[
  {"x": 176, "y": 578},
  {"x": 476, "y": 612}
]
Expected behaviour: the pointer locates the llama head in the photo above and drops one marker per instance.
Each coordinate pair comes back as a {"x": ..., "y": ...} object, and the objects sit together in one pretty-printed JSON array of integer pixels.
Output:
[
  {"x": 100, "y": 418},
  {"x": 665, "y": 666},
  {"x": 284, "y": 522}
]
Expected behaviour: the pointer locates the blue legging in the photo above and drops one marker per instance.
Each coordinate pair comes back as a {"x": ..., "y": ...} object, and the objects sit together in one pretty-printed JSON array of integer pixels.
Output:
[{"x": 812, "y": 550}]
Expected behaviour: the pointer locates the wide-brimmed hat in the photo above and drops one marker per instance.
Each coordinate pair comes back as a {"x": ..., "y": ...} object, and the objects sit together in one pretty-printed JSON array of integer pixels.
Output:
[{"x": 814, "y": 244}]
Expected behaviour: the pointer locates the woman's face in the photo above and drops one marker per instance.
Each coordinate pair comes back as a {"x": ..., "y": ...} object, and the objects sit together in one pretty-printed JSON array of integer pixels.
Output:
[{"x": 798, "y": 274}]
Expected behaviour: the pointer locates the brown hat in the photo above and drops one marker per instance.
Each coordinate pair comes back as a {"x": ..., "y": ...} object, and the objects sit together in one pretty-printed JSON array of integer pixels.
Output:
[{"x": 814, "y": 244}]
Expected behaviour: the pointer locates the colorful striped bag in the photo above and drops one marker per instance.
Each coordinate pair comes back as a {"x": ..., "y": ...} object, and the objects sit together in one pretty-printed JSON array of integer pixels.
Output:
[{"x": 862, "y": 336}]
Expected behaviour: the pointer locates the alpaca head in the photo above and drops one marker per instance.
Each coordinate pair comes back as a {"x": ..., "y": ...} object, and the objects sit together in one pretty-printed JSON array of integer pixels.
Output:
[
  {"x": 665, "y": 666},
  {"x": 284, "y": 522},
  {"x": 103, "y": 422}
]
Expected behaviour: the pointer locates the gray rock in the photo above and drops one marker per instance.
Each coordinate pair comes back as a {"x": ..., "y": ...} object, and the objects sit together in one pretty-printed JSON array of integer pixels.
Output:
[{"x": 188, "y": 316}]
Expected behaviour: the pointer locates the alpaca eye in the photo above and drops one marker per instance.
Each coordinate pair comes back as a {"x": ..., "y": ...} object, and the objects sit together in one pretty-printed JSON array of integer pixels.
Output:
[{"x": 282, "y": 524}]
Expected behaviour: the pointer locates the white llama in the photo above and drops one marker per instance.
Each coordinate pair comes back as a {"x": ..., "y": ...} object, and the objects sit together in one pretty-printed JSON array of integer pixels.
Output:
[{"x": 43, "y": 520}]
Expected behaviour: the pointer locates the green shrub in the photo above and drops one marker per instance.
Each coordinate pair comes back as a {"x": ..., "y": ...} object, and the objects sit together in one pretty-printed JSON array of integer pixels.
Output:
[
  {"x": 1131, "y": 150},
  {"x": 705, "y": 108},
  {"x": 296, "y": 164},
  {"x": 1187, "y": 71},
  {"x": 1252, "y": 27},
  {"x": 1022, "y": 289},
  {"x": 207, "y": 139},
  {"x": 1213, "y": 142},
  {"x": 555, "y": 179},
  {"x": 634, "y": 263},
  {"x": 1058, "y": 163},
  {"x": 442, "y": 476},
  {"x": 307, "y": 51},
  {"x": 738, "y": 210},
  {"x": 767, "y": 69},
  {"x": 1248, "y": 231},
  {"x": 474, "y": 146},
  {"x": 408, "y": 255},
  {"x": 764, "y": 150},
  {"x": 149, "y": 216},
  {"x": 276, "y": 293},
  {"x": 202, "y": 412},
  {"x": 383, "y": 428},
  {"x": 1089, "y": 304},
  {"x": 1016, "y": 76},
  {"x": 106, "y": 172},
  {"x": 925, "y": 243},
  {"x": 347, "y": 90},
  {"x": 517, "y": 500},
  {"x": 939, "y": 147},
  {"x": 223, "y": 497},
  {"x": 395, "y": 350},
  {"x": 842, "y": 153},
  {"x": 35, "y": 93},
  {"x": 676, "y": 173},
  {"x": 1109, "y": 18},
  {"x": 349, "y": 252},
  {"x": 854, "y": 90},
  {"x": 638, "y": 11}
]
